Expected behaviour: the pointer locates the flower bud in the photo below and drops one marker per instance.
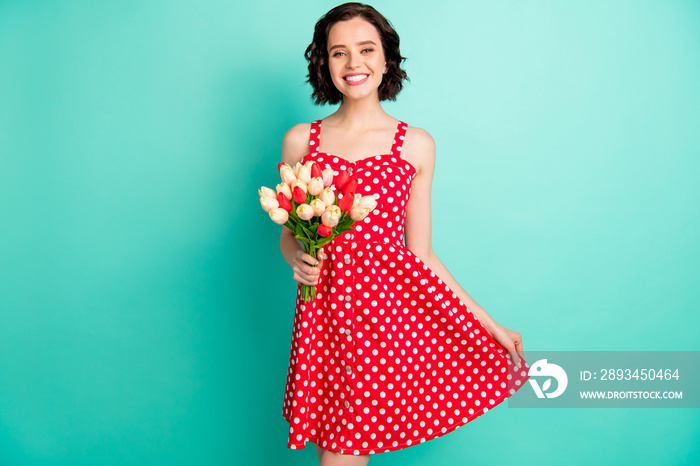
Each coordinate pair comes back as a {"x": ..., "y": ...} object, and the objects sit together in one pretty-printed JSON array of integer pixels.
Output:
[
  {"x": 287, "y": 174},
  {"x": 305, "y": 211},
  {"x": 303, "y": 173},
  {"x": 327, "y": 177},
  {"x": 331, "y": 216},
  {"x": 359, "y": 212},
  {"x": 284, "y": 202},
  {"x": 264, "y": 191},
  {"x": 327, "y": 196},
  {"x": 345, "y": 202},
  {"x": 279, "y": 216},
  {"x": 324, "y": 230},
  {"x": 368, "y": 201},
  {"x": 316, "y": 170},
  {"x": 284, "y": 189},
  {"x": 299, "y": 191},
  {"x": 315, "y": 186},
  {"x": 318, "y": 206},
  {"x": 350, "y": 187},
  {"x": 269, "y": 203},
  {"x": 341, "y": 179}
]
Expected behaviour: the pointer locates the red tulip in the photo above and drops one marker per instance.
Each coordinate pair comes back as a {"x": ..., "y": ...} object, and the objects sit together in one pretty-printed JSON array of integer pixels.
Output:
[
  {"x": 299, "y": 195},
  {"x": 284, "y": 202},
  {"x": 316, "y": 171},
  {"x": 324, "y": 230},
  {"x": 345, "y": 202},
  {"x": 341, "y": 179},
  {"x": 349, "y": 189}
]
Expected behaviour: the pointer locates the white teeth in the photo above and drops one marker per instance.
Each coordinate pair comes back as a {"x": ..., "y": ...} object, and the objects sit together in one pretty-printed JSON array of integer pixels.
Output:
[{"x": 358, "y": 77}]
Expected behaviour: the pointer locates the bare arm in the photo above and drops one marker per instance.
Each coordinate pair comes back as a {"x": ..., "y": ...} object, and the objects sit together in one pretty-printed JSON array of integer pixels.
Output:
[
  {"x": 295, "y": 145},
  {"x": 418, "y": 220},
  {"x": 418, "y": 229}
]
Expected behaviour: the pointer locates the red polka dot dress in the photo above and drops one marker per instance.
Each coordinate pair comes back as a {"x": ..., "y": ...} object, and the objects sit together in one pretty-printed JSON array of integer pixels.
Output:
[{"x": 386, "y": 356}]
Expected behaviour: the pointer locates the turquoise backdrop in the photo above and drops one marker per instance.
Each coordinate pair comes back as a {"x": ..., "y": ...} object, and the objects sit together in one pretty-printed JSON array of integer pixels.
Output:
[{"x": 145, "y": 308}]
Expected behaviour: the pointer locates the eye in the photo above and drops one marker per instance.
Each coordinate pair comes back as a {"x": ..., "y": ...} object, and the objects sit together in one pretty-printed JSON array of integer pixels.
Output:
[
  {"x": 337, "y": 54},
  {"x": 369, "y": 50}
]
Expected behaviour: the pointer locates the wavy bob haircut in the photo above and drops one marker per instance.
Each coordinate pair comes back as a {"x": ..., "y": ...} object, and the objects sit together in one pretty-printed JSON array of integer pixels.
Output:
[{"x": 324, "y": 91}]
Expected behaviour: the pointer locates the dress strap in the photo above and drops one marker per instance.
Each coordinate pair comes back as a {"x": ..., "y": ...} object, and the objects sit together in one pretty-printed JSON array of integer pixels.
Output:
[
  {"x": 398, "y": 139},
  {"x": 314, "y": 137}
]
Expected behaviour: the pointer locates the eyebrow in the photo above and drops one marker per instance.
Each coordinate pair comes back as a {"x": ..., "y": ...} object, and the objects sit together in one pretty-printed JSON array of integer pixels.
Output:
[{"x": 359, "y": 43}]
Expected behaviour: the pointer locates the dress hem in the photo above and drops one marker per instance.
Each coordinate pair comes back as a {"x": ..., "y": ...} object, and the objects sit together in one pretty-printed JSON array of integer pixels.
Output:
[{"x": 410, "y": 443}]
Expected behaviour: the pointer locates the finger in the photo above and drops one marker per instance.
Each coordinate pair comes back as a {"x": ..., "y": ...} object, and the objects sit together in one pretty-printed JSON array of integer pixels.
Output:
[
  {"x": 303, "y": 266},
  {"x": 519, "y": 348},
  {"x": 306, "y": 281},
  {"x": 308, "y": 278},
  {"x": 516, "y": 359},
  {"x": 310, "y": 270},
  {"x": 310, "y": 260},
  {"x": 303, "y": 257},
  {"x": 518, "y": 342}
]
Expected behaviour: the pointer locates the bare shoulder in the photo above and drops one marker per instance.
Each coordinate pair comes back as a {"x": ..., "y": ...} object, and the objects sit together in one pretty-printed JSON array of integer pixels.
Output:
[
  {"x": 419, "y": 149},
  {"x": 295, "y": 144}
]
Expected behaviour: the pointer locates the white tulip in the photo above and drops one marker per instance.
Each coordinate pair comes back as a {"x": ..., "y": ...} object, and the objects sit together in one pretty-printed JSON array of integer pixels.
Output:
[
  {"x": 269, "y": 203},
  {"x": 318, "y": 206},
  {"x": 279, "y": 215},
  {"x": 305, "y": 211}
]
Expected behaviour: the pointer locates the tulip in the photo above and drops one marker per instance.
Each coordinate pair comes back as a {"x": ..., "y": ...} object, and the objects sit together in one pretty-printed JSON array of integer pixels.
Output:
[
  {"x": 368, "y": 201},
  {"x": 356, "y": 201},
  {"x": 303, "y": 173},
  {"x": 284, "y": 202},
  {"x": 305, "y": 212},
  {"x": 316, "y": 170},
  {"x": 284, "y": 189},
  {"x": 324, "y": 230},
  {"x": 359, "y": 212},
  {"x": 279, "y": 216},
  {"x": 318, "y": 206},
  {"x": 327, "y": 196},
  {"x": 287, "y": 173},
  {"x": 299, "y": 191},
  {"x": 331, "y": 216},
  {"x": 264, "y": 191},
  {"x": 341, "y": 179},
  {"x": 315, "y": 186},
  {"x": 269, "y": 203},
  {"x": 350, "y": 187},
  {"x": 327, "y": 177},
  {"x": 345, "y": 202}
]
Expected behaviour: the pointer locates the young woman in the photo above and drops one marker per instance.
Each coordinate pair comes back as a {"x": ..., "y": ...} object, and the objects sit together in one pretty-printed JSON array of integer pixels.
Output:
[{"x": 392, "y": 352}]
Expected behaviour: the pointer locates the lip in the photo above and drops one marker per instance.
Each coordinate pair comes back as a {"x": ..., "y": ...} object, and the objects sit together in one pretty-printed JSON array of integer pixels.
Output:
[{"x": 356, "y": 83}]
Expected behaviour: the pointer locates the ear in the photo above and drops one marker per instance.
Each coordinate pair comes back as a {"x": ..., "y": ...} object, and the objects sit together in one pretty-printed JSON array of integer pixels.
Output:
[{"x": 386, "y": 68}]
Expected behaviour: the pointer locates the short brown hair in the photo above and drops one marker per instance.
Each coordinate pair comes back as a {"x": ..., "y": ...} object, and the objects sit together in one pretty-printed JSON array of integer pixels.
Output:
[{"x": 324, "y": 91}]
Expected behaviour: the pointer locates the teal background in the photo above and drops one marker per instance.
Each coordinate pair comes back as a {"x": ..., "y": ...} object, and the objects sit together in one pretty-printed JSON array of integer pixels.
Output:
[{"x": 145, "y": 308}]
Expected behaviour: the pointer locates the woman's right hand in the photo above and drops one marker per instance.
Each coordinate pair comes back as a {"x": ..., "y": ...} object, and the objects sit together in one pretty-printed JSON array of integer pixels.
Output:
[{"x": 307, "y": 270}]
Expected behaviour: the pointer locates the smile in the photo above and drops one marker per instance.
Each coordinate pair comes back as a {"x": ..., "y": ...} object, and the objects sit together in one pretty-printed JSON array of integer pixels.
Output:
[{"x": 356, "y": 79}]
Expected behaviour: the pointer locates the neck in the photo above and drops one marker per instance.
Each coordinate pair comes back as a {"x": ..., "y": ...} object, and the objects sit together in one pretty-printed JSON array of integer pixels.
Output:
[{"x": 359, "y": 114}]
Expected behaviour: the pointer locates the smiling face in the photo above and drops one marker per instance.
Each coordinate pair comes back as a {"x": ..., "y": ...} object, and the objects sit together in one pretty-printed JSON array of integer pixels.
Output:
[{"x": 356, "y": 58}]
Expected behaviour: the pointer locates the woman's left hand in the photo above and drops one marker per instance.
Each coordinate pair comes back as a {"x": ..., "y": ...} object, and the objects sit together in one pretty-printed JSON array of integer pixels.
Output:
[{"x": 512, "y": 341}]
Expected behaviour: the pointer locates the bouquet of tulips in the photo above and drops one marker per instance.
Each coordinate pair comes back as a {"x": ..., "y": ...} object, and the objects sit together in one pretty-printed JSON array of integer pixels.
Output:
[{"x": 305, "y": 202}]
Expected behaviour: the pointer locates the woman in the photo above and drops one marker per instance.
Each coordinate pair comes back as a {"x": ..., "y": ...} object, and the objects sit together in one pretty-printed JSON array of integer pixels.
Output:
[{"x": 392, "y": 352}]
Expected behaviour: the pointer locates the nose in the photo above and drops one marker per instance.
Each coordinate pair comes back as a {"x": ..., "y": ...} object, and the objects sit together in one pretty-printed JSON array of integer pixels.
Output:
[{"x": 353, "y": 61}]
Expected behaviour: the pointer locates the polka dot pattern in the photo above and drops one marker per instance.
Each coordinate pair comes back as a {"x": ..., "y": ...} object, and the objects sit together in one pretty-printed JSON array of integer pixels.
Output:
[{"x": 386, "y": 356}]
